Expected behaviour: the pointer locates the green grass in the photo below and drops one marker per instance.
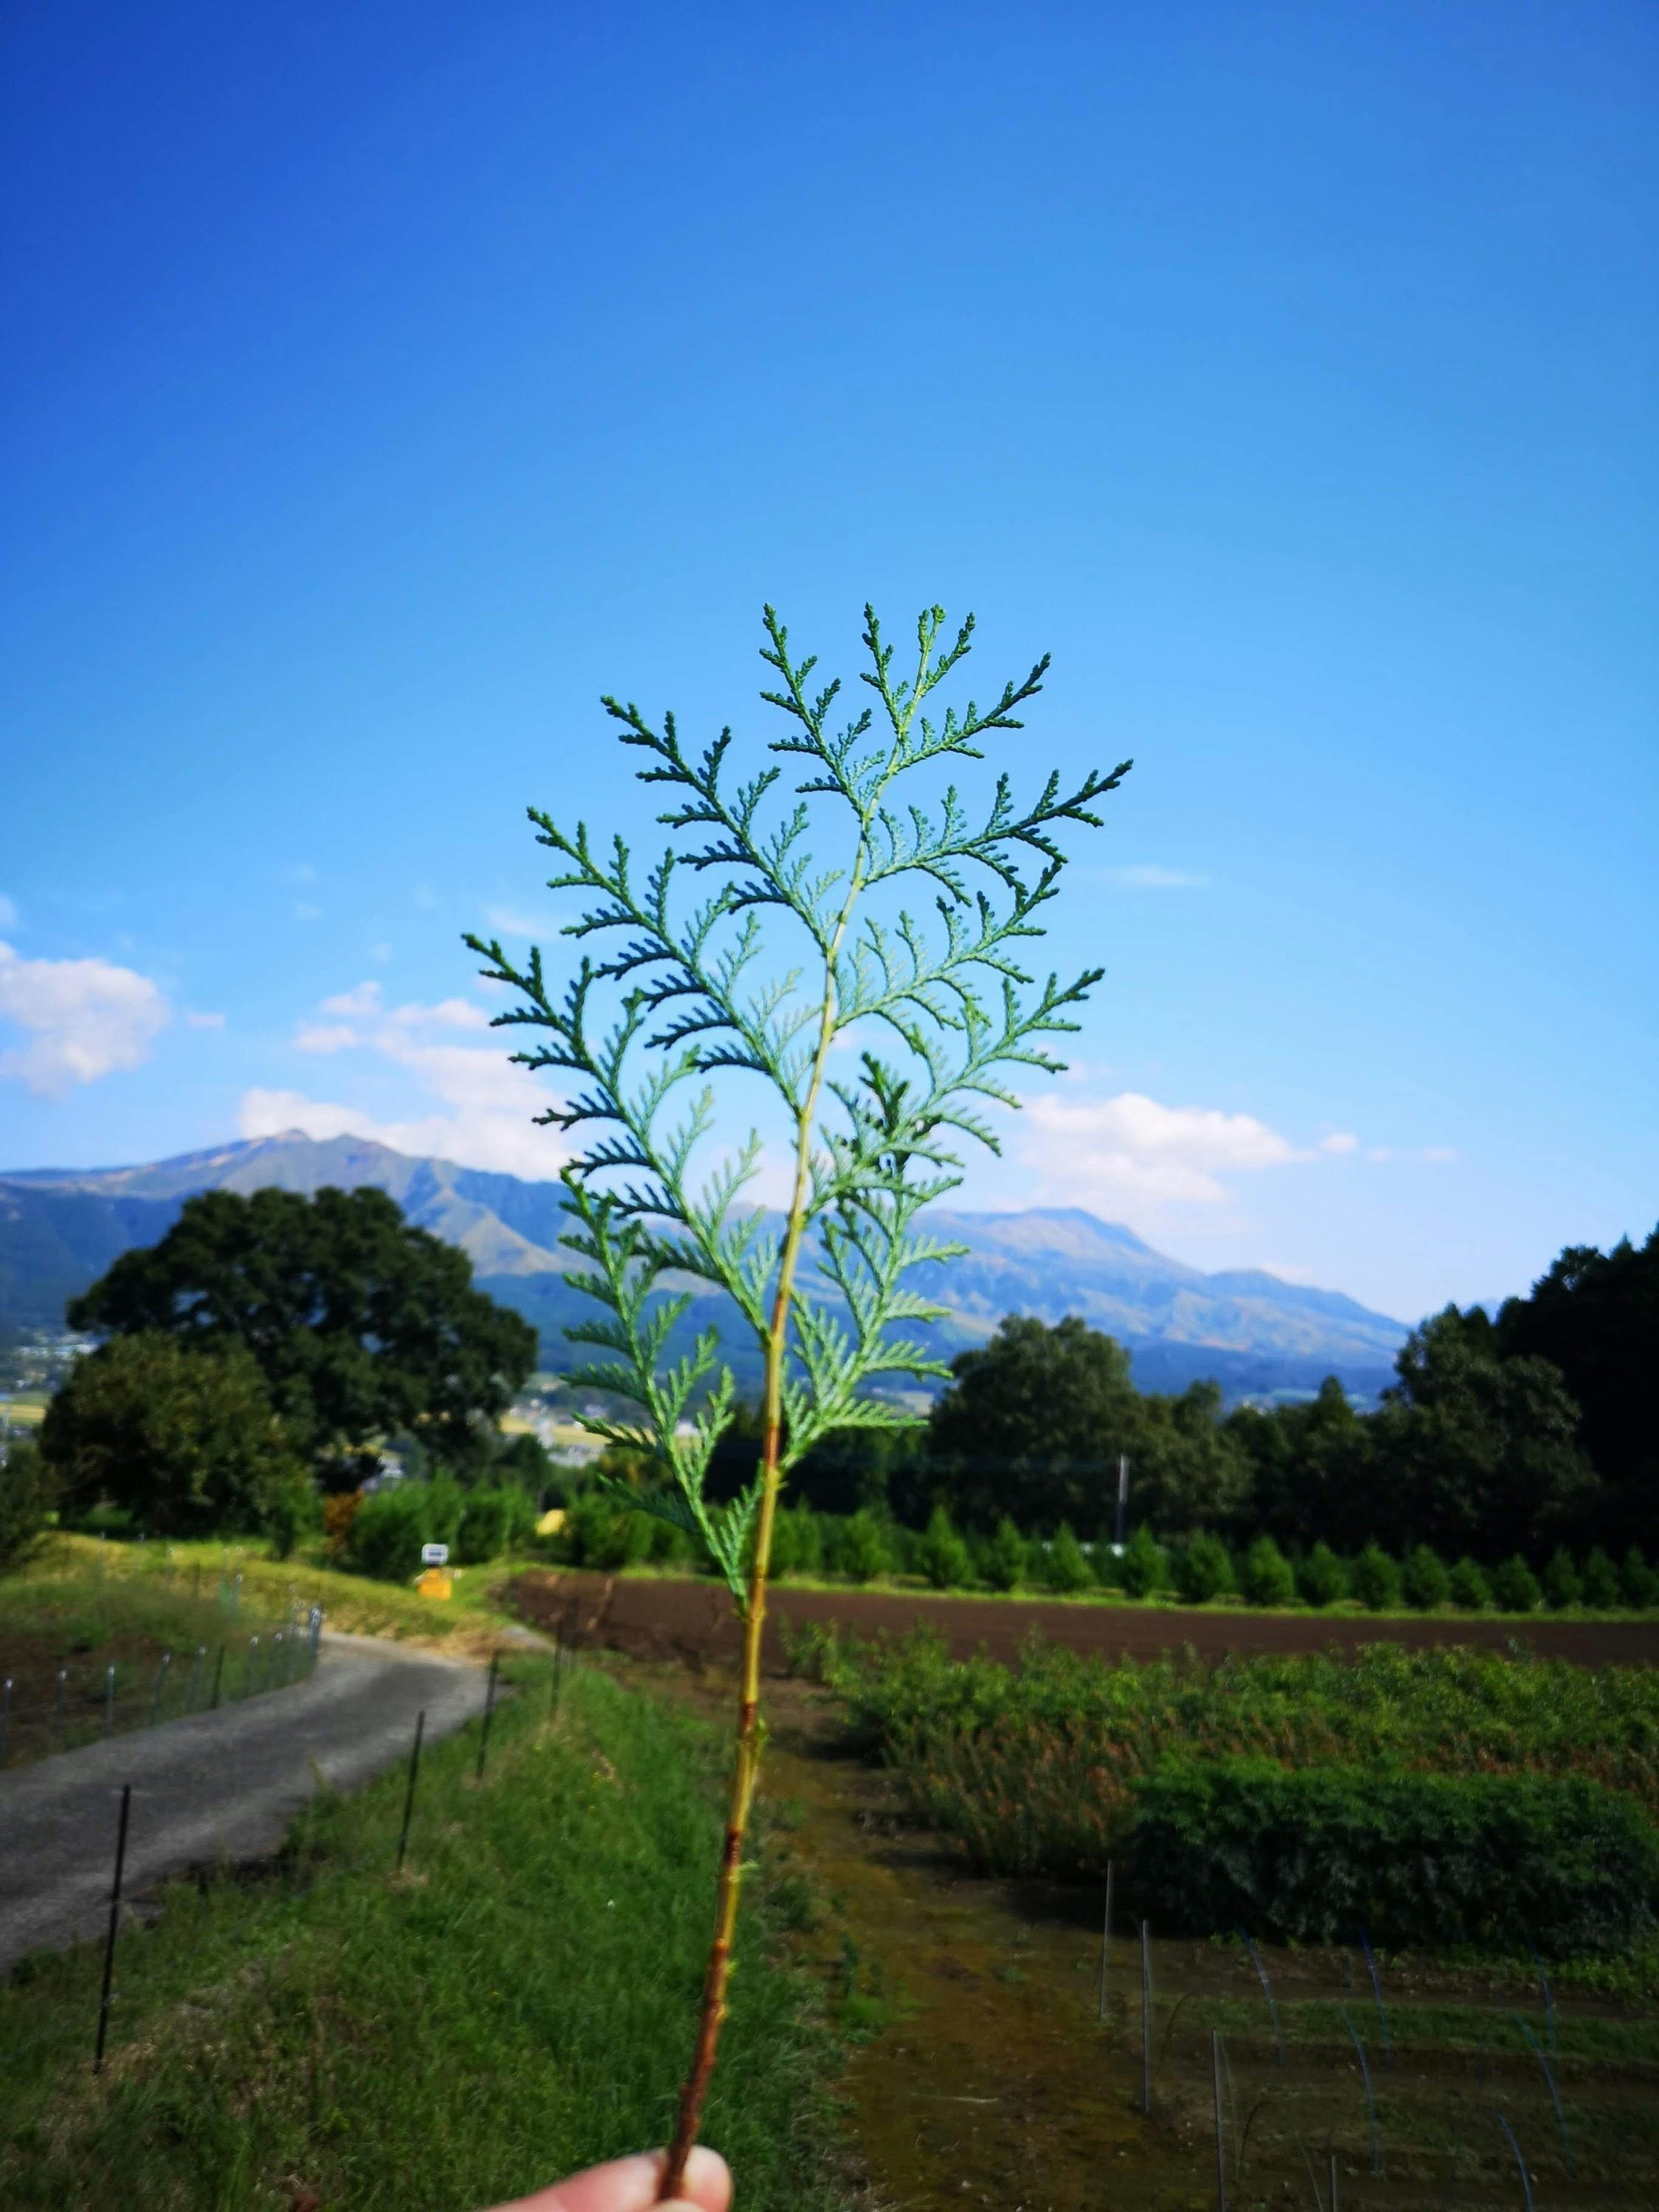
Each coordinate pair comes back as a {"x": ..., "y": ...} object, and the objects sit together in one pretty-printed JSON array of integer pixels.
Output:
[
  {"x": 60, "y": 1615},
  {"x": 517, "y": 2003}
]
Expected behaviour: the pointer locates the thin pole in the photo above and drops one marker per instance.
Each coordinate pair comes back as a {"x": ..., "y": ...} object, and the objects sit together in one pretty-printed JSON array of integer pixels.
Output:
[
  {"x": 218, "y": 1680},
  {"x": 1146, "y": 2018},
  {"x": 1220, "y": 2140},
  {"x": 5, "y": 1718},
  {"x": 1123, "y": 1494},
  {"x": 109, "y": 1697},
  {"x": 114, "y": 1925},
  {"x": 57, "y": 1706},
  {"x": 408, "y": 1795},
  {"x": 196, "y": 1678},
  {"x": 1105, "y": 1937},
  {"x": 249, "y": 1664},
  {"x": 160, "y": 1686},
  {"x": 1333, "y": 2177},
  {"x": 488, "y": 1714}
]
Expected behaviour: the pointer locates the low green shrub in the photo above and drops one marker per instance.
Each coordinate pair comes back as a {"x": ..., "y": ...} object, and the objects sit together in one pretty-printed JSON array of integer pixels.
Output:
[
  {"x": 1637, "y": 1579},
  {"x": 1322, "y": 1579},
  {"x": 386, "y": 1535},
  {"x": 28, "y": 1492},
  {"x": 1145, "y": 1565},
  {"x": 1065, "y": 1571},
  {"x": 1268, "y": 1577},
  {"x": 293, "y": 1513},
  {"x": 1563, "y": 1585},
  {"x": 1374, "y": 1579},
  {"x": 1201, "y": 1569},
  {"x": 1004, "y": 1561},
  {"x": 1309, "y": 1855},
  {"x": 861, "y": 1550},
  {"x": 945, "y": 1558},
  {"x": 797, "y": 1541},
  {"x": 1601, "y": 1581},
  {"x": 1426, "y": 1582},
  {"x": 492, "y": 1523},
  {"x": 600, "y": 1533},
  {"x": 1470, "y": 1589},
  {"x": 1515, "y": 1587}
]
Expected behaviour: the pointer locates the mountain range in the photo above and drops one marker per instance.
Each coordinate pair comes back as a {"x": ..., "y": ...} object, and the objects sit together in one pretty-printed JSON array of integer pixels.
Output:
[{"x": 1248, "y": 1330}]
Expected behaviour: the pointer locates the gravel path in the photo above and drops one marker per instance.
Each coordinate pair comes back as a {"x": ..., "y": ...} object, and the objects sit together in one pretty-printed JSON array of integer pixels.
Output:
[{"x": 228, "y": 1783}]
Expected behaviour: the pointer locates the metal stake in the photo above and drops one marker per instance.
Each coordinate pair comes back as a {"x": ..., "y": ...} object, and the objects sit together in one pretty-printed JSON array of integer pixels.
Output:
[
  {"x": 247, "y": 1670},
  {"x": 488, "y": 1714},
  {"x": 109, "y": 1698},
  {"x": 1105, "y": 1936},
  {"x": 409, "y": 1796},
  {"x": 57, "y": 1706},
  {"x": 1146, "y": 2018},
  {"x": 5, "y": 1718},
  {"x": 1220, "y": 2141},
  {"x": 114, "y": 1925},
  {"x": 160, "y": 1686},
  {"x": 218, "y": 1679},
  {"x": 196, "y": 1678}
]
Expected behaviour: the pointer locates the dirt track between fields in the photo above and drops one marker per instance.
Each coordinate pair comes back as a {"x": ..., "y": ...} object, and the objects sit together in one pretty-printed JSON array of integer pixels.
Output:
[{"x": 653, "y": 1616}]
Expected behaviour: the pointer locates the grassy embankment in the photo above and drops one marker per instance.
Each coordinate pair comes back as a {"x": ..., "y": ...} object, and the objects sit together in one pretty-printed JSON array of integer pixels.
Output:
[{"x": 513, "y": 2005}]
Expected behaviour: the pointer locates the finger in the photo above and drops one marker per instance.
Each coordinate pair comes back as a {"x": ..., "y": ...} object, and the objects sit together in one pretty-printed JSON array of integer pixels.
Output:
[{"x": 630, "y": 2185}]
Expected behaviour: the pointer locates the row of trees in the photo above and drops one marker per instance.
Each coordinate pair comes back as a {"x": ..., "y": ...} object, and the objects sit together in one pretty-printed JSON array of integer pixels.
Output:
[{"x": 1498, "y": 1437}]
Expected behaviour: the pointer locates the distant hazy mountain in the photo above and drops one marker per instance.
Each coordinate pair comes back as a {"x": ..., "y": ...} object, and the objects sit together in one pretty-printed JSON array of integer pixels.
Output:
[{"x": 59, "y": 1229}]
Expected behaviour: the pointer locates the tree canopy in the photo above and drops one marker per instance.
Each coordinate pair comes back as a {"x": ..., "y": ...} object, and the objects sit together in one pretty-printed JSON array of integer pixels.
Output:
[
  {"x": 360, "y": 1324},
  {"x": 182, "y": 1435}
]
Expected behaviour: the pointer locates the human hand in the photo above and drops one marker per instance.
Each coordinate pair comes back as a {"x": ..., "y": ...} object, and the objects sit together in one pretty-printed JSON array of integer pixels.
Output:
[{"x": 630, "y": 2184}]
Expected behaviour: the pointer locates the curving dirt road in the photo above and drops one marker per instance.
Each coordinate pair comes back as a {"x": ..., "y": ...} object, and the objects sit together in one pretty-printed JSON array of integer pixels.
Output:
[
  {"x": 650, "y": 1615},
  {"x": 222, "y": 1783}
]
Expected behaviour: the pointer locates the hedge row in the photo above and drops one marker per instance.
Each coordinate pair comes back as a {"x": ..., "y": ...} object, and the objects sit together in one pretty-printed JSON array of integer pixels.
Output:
[
  {"x": 860, "y": 1548},
  {"x": 1420, "y": 1861}
]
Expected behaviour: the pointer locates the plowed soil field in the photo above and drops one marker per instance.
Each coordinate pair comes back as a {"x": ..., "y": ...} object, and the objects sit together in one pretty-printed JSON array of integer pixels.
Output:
[{"x": 653, "y": 1616}]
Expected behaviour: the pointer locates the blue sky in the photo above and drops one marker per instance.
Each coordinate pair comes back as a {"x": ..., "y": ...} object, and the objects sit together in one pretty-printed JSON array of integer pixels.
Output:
[{"x": 383, "y": 383}]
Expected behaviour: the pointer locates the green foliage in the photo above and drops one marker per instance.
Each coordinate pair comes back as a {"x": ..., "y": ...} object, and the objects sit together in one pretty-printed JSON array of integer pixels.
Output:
[
  {"x": 493, "y": 1522},
  {"x": 797, "y": 1541},
  {"x": 1374, "y": 1579},
  {"x": 1425, "y": 1581},
  {"x": 360, "y": 1324},
  {"x": 1469, "y": 1588},
  {"x": 1268, "y": 1577},
  {"x": 1144, "y": 1567},
  {"x": 1040, "y": 1414},
  {"x": 181, "y": 1435},
  {"x": 944, "y": 1560},
  {"x": 1005, "y": 1559},
  {"x": 523, "y": 1459},
  {"x": 1309, "y": 1855},
  {"x": 386, "y": 1535},
  {"x": 1601, "y": 1581},
  {"x": 1201, "y": 1569},
  {"x": 28, "y": 1495},
  {"x": 1065, "y": 1570},
  {"x": 705, "y": 985},
  {"x": 1322, "y": 1579},
  {"x": 862, "y": 1549},
  {"x": 1514, "y": 1588},
  {"x": 1594, "y": 1318},
  {"x": 1638, "y": 1580},
  {"x": 606, "y": 1533},
  {"x": 1009, "y": 1759},
  {"x": 293, "y": 1517},
  {"x": 1563, "y": 1585}
]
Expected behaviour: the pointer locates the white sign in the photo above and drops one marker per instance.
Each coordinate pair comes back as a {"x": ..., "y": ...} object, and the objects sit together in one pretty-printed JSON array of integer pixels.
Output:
[{"x": 434, "y": 1555}]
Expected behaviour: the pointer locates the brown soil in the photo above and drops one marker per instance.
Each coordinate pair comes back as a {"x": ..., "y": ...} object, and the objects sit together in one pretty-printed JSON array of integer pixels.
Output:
[{"x": 653, "y": 1616}]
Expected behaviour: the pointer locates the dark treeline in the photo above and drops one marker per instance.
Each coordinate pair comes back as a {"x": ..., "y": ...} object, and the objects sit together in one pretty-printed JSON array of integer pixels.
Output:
[{"x": 1498, "y": 1436}]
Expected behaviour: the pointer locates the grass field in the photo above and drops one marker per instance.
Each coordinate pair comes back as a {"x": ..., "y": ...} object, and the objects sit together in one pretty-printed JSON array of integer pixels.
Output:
[{"x": 517, "y": 2002}]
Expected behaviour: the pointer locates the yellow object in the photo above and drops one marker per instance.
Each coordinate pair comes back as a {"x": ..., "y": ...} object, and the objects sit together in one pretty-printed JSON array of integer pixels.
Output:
[
  {"x": 550, "y": 1522},
  {"x": 436, "y": 1581}
]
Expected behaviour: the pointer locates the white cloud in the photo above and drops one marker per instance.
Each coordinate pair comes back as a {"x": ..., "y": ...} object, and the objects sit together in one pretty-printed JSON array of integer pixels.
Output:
[
  {"x": 513, "y": 921},
  {"x": 199, "y": 1021},
  {"x": 470, "y": 1103},
  {"x": 1132, "y": 1147},
  {"x": 305, "y": 911},
  {"x": 1340, "y": 1143},
  {"x": 84, "y": 1019},
  {"x": 1439, "y": 1153},
  {"x": 380, "y": 953},
  {"x": 10, "y": 916},
  {"x": 1146, "y": 875}
]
